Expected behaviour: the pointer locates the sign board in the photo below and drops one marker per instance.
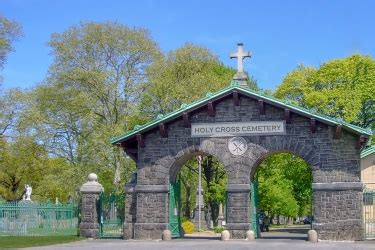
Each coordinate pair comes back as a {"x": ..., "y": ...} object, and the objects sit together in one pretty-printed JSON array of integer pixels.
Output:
[{"x": 237, "y": 128}]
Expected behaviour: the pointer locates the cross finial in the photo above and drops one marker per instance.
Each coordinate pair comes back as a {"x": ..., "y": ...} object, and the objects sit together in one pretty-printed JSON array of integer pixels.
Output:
[{"x": 240, "y": 55}]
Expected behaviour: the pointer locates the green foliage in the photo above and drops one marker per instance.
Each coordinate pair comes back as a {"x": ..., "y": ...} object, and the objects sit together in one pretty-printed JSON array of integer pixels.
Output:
[
  {"x": 26, "y": 162},
  {"x": 35, "y": 241},
  {"x": 189, "y": 185},
  {"x": 184, "y": 75},
  {"x": 343, "y": 88},
  {"x": 214, "y": 182},
  {"x": 188, "y": 227},
  {"x": 218, "y": 230},
  {"x": 11, "y": 105},
  {"x": 285, "y": 185},
  {"x": 9, "y": 31},
  {"x": 91, "y": 93}
]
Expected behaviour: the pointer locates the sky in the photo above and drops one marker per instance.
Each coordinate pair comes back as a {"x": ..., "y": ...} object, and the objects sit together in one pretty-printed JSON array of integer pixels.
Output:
[{"x": 279, "y": 34}]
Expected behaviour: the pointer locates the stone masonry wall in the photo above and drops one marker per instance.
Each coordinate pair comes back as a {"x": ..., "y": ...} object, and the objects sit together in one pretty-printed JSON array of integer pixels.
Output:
[
  {"x": 330, "y": 160},
  {"x": 89, "y": 226}
]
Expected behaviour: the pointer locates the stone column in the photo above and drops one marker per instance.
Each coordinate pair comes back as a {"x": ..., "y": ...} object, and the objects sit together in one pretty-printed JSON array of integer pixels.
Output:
[
  {"x": 90, "y": 191},
  {"x": 152, "y": 213},
  {"x": 130, "y": 210},
  {"x": 337, "y": 209},
  {"x": 238, "y": 210}
]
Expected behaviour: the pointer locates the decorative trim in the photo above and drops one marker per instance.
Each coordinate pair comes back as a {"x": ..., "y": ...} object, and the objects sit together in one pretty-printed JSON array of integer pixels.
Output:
[
  {"x": 337, "y": 186},
  {"x": 211, "y": 109},
  {"x": 238, "y": 226},
  {"x": 245, "y": 92},
  {"x": 151, "y": 188},
  {"x": 287, "y": 116},
  {"x": 236, "y": 98},
  {"x": 234, "y": 188}
]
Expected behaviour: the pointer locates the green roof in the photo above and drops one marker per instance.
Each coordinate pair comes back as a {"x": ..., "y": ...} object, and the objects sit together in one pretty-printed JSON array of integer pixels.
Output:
[
  {"x": 248, "y": 92},
  {"x": 368, "y": 151}
]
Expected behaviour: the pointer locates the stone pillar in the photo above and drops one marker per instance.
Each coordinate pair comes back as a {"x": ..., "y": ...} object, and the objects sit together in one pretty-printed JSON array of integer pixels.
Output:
[
  {"x": 238, "y": 210},
  {"x": 152, "y": 213},
  {"x": 130, "y": 210},
  {"x": 90, "y": 191},
  {"x": 337, "y": 209}
]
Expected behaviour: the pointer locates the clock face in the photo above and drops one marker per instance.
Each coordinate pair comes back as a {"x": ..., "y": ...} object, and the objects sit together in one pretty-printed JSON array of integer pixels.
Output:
[{"x": 237, "y": 145}]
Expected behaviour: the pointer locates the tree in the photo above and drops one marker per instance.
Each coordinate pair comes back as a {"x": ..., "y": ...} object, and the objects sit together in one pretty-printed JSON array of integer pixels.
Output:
[
  {"x": 342, "y": 88},
  {"x": 214, "y": 185},
  {"x": 11, "y": 105},
  {"x": 21, "y": 162},
  {"x": 184, "y": 75},
  {"x": 91, "y": 93},
  {"x": 9, "y": 31},
  {"x": 285, "y": 185},
  {"x": 189, "y": 184}
]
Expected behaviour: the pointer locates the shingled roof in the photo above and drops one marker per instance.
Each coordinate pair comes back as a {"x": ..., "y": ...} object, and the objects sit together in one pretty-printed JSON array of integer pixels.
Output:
[{"x": 245, "y": 91}]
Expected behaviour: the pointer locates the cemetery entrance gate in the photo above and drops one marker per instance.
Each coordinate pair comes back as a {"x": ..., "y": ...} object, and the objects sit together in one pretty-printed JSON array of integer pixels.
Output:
[{"x": 240, "y": 128}]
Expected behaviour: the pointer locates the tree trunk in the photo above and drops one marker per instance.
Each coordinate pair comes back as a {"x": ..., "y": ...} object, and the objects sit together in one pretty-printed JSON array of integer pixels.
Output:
[{"x": 187, "y": 201}]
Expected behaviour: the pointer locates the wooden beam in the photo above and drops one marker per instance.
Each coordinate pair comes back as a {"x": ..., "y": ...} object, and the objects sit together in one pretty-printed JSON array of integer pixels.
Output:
[
  {"x": 140, "y": 140},
  {"x": 186, "y": 119},
  {"x": 211, "y": 109},
  {"x": 236, "y": 98},
  {"x": 163, "y": 130},
  {"x": 287, "y": 116},
  {"x": 313, "y": 125},
  {"x": 131, "y": 150},
  {"x": 133, "y": 156},
  {"x": 262, "y": 111},
  {"x": 361, "y": 142},
  {"x": 338, "y": 130}
]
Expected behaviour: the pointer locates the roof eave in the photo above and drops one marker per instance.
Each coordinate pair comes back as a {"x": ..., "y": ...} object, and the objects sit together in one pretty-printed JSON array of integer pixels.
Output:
[{"x": 246, "y": 91}]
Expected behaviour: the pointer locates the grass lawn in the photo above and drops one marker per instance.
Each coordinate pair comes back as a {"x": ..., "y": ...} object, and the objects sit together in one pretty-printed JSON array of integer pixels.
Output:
[{"x": 33, "y": 241}]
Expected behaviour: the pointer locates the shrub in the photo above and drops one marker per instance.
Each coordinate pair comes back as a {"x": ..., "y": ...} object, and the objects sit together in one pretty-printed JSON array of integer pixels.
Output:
[
  {"x": 218, "y": 229},
  {"x": 188, "y": 227}
]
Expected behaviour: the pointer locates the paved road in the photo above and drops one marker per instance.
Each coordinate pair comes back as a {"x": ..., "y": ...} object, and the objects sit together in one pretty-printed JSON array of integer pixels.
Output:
[
  {"x": 296, "y": 232},
  {"x": 193, "y": 244},
  {"x": 280, "y": 238}
]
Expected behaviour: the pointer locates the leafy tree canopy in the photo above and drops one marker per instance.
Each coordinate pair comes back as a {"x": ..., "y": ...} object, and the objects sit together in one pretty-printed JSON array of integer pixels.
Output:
[{"x": 342, "y": 88}]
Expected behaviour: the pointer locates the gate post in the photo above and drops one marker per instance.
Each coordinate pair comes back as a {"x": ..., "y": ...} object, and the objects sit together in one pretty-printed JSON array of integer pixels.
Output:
[
  {"x": 89, "y": 226},
  {"x": 238, "y": 210},
  {"x": 130, "y": 208}
]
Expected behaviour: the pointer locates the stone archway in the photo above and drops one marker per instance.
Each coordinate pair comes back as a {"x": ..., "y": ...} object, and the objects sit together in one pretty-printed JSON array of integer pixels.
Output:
[{"x": 331, "y": 149}]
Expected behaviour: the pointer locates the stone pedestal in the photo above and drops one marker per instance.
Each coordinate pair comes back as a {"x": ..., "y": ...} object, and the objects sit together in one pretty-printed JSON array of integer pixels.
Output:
[
  {"x": 338, "y": 211},
  {"x": 90, "y": 191},
  {"x": 195, "y": 221},
  {"x": 152, "y": 212},
  {"x": 130, "y": 210},
  {"x": 238, "y": 210},
  {"x": 220, "y": 218}
]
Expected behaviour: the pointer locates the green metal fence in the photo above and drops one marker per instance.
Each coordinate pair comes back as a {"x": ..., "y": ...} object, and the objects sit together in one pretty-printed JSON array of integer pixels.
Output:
[
  {"x": 369, "y": 214},
  {"x": 111, "y": 215},
  {"x": 27, "y": 218}
]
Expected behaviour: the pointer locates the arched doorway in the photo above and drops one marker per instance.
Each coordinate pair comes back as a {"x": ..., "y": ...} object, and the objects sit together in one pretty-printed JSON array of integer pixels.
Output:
[
  {"x": 281, "y": 197},
  {"x": 217, "y": 123},
  {"x": 197, "y": 196}
]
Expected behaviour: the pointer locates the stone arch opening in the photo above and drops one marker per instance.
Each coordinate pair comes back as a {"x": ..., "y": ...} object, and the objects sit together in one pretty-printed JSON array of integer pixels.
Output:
[
  {"x": 185, "y": 198},
  {"x": 268, "y": 154},
  {"x": 281, "y": 194}
]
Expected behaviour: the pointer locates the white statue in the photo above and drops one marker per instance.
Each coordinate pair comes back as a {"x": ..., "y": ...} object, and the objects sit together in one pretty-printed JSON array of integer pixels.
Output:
[{"x": 28, "y": 192}]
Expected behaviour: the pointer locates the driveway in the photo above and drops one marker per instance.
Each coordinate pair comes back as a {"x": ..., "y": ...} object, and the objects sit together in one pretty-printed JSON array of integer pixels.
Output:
[{"x": 207, "y": 244}]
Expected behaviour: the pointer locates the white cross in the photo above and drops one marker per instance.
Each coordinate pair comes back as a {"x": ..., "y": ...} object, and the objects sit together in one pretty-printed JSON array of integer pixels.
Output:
[{"x": 240, "y": 55}]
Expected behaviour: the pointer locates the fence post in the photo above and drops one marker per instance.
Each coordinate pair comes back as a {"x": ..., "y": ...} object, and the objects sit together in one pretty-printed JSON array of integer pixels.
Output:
[{"x": 90, "y": 191}]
